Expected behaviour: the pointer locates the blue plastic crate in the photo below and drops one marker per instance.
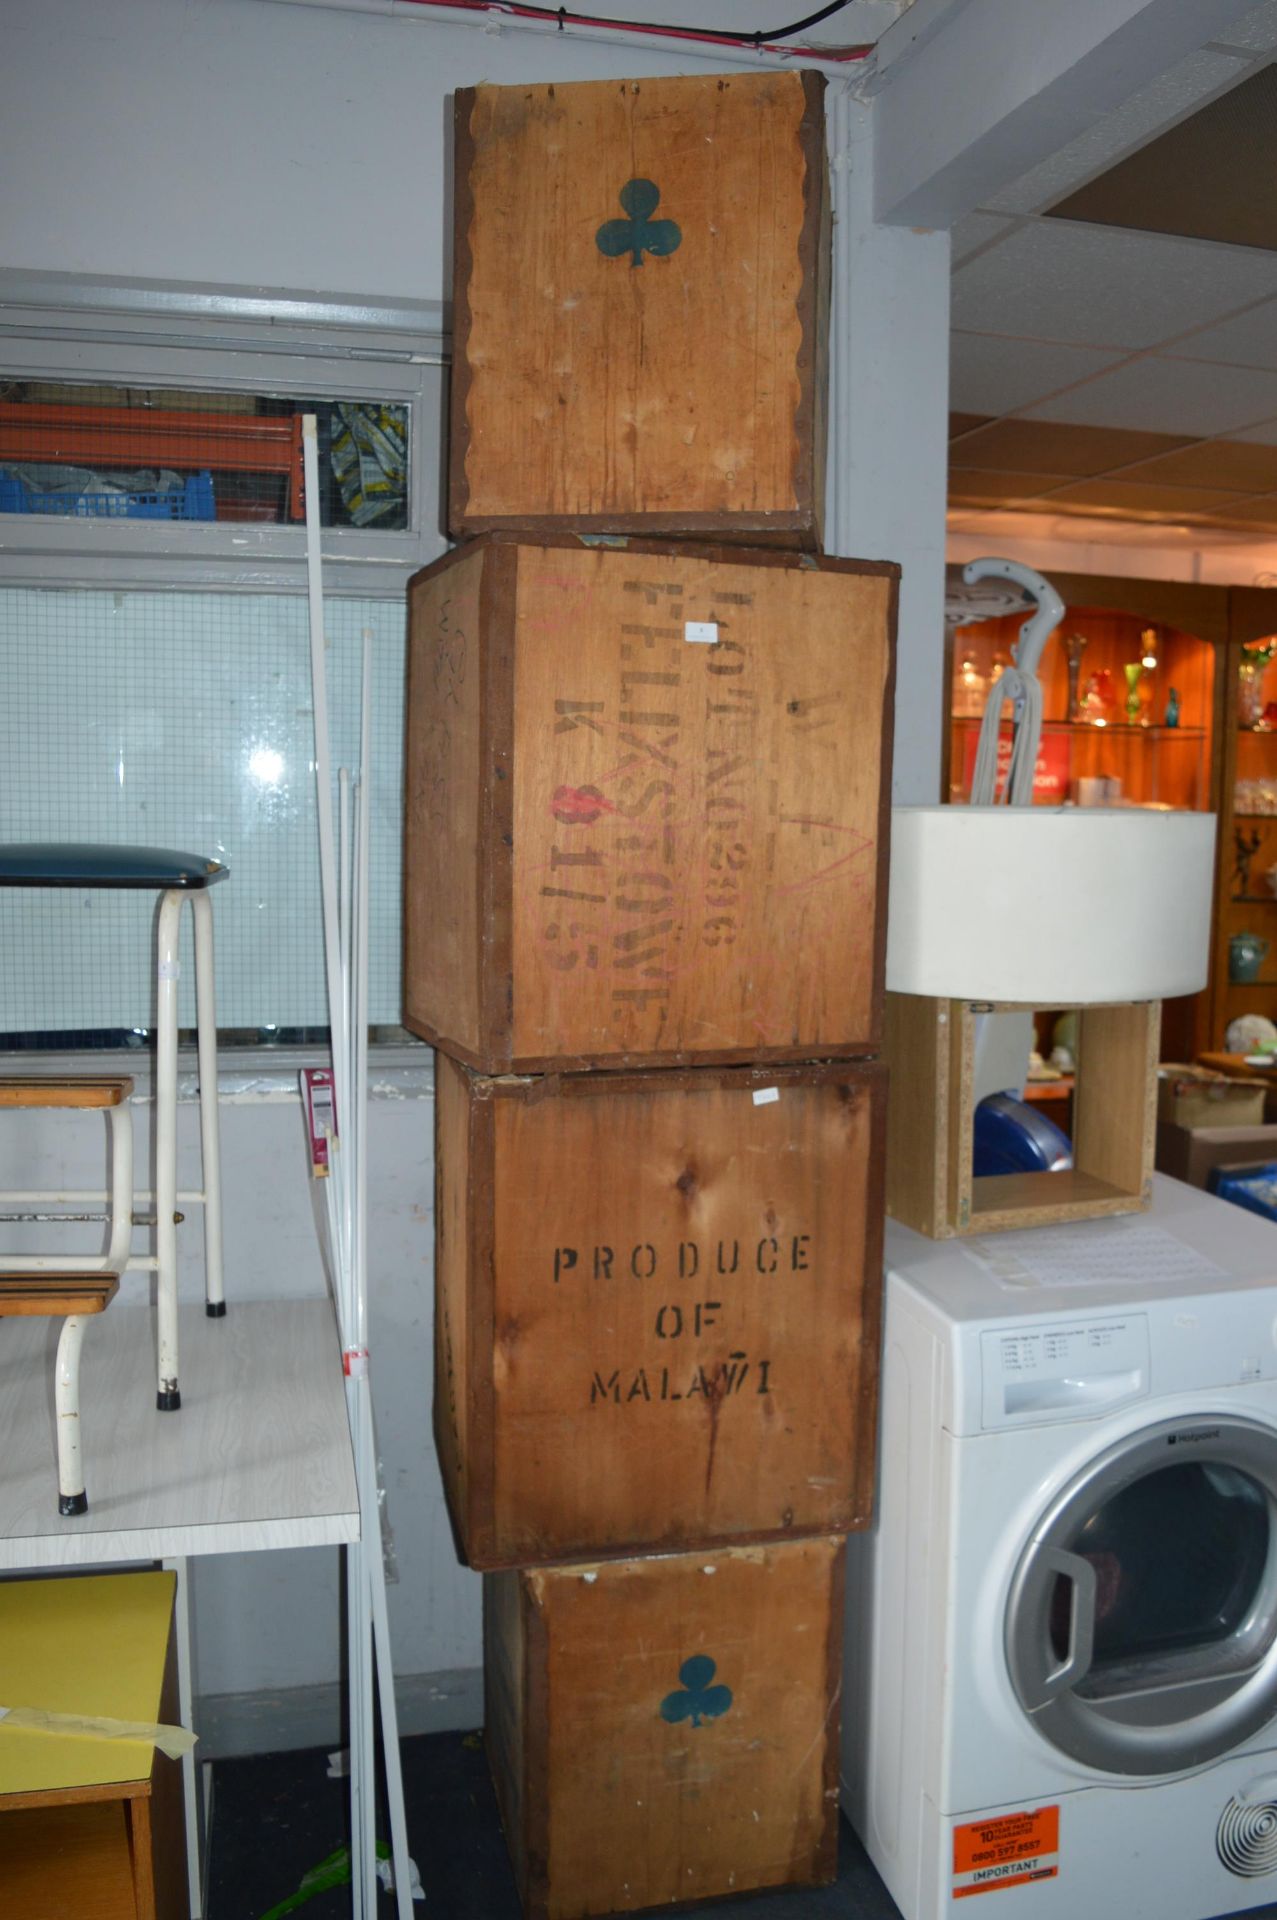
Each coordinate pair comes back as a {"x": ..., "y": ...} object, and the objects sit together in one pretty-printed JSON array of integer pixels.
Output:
[
  {"x": 193, "y": 501},
  {"x": 1252, "y": 1187}
]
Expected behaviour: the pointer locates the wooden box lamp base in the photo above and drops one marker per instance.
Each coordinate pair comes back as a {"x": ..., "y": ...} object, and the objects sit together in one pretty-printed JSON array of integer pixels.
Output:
[
  {"x": 998, "y": 910},
  {"x": 930, "y": 1050}
]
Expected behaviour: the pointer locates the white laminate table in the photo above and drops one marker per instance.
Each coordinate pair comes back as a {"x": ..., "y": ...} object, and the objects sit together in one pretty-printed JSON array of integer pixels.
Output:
[{"x": 258, "y": 1457}]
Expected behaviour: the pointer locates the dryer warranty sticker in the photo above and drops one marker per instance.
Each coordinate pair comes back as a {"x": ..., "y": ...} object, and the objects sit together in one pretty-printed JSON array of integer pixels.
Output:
[{"x": 989, "y": 1854}]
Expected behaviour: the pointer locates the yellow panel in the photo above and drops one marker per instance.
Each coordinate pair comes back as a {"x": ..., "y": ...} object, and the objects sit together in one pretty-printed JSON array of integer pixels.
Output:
[{"x": 91, "y": 1644}]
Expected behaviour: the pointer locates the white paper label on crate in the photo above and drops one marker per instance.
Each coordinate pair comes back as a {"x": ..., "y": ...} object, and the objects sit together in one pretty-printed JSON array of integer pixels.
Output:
[
  {"x": 763, "y": 1096},
  {"x": 703, "y": 632}
]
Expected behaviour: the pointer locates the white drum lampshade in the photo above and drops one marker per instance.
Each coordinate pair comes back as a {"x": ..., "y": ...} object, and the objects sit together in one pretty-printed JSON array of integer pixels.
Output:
[{"x": 1055, "y": 907}]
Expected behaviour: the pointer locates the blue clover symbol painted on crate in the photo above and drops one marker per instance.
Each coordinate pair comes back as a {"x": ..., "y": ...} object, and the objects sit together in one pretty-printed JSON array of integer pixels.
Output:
[
  {"x": 640, "y": 232},
  {"x": 697, "y": 1699}
]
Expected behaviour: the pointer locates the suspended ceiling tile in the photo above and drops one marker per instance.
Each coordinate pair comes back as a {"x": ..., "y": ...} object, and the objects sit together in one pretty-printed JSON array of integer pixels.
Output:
[
  {"x": 979, "y": 483},
  {"x": 1256, "y": 513},
  {"x": 1173, "y": 93},
  {"x": 976, "y": 231},
  {"x": 1234, "y": 464},
  {"x": 965, "y": 423},
  {"x": 1248, "y": 340},
  {"x": 1043, "y": 446},
  {"x": 1256, "y": 31},
  {"x": 1264, "y": 431},
  {"x": 1208, "y": 178},
  {"x": 1104, "y": 286},
  {"x": 1170, "y": 396},
  {"x": 989, "y": 374},
  {"x": 1132, "y": 497}
]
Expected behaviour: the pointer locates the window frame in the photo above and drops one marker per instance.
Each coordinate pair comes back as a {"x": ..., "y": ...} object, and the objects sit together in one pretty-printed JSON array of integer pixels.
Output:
[{"x": 63, "y": 327}]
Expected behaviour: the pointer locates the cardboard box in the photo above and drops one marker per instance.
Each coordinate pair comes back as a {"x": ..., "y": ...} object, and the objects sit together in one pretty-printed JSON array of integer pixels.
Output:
[
  {"x": 1199, "y": 1097},
  {"x": 663, "y": 1731},
  {"x": 657, "y": 1307},
  {"x": 1189, "y": 1153}
]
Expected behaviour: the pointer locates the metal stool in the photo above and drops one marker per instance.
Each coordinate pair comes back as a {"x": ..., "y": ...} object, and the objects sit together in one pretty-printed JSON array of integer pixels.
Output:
[
  {"x": 177, "y": 877},
  {"x": 70, "y": 1287}
]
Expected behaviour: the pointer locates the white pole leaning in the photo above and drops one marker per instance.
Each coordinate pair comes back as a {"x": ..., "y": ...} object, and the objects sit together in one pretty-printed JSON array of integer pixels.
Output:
[{"x": 345, "y": 871}]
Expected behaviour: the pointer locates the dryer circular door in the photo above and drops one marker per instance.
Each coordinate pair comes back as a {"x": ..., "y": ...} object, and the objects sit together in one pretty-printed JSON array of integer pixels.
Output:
[{"x": 1141, "y": 1627}]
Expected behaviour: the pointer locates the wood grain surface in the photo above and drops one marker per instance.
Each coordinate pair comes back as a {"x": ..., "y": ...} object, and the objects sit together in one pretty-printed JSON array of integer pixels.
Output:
[
  {"x": 679, "y": 1726},
  {"x": 63, "y": 1090},
  {"x": 666, "y": 1307},
  {"x": 678, "y": 388},
  {"x": 930, "y": 1182},
  {"x": 681, "y": 845}
]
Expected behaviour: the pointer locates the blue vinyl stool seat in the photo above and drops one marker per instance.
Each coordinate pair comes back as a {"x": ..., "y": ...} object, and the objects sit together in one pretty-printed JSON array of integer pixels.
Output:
[
  {"x": 176, "y": 877},
  {"x": 57, "y": 863}
]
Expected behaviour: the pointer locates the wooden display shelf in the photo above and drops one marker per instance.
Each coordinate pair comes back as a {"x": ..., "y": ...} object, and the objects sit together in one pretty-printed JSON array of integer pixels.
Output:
[{"x": 929, "y": 1047}]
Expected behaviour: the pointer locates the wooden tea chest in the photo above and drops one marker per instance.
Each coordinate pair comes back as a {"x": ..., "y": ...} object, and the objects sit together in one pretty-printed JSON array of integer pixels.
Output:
[
  {"x": 647, "y": 803},
  {"x": 640, "y": 296},
  {"x": 657, "y": 1302},
  {"x": 666, "y": 1730}
]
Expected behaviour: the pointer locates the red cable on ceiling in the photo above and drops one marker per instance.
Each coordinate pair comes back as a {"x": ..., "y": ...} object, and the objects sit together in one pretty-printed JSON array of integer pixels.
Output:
[{"x": 701, "y": 36}]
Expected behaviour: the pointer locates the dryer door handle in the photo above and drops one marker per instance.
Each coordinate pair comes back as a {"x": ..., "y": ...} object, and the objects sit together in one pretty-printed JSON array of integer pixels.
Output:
[{"x": 1080, "y": 1575}]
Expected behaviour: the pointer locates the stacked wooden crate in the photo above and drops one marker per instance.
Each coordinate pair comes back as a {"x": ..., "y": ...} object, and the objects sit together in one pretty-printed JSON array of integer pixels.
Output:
[{"x": 645, "y": 864}]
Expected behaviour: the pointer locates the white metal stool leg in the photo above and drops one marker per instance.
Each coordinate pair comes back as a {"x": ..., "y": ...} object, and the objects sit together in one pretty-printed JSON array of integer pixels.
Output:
[
  {"x": 210, "y": 1149},
  {"x": 167, "y": 970},
  {"x": 120, "y": 1121},
  {"x": 71, "y": 1495}
]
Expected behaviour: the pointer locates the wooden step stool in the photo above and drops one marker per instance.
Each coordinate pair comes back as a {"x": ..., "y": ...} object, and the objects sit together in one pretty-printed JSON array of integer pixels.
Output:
[{"x": 71, "y": 1286}]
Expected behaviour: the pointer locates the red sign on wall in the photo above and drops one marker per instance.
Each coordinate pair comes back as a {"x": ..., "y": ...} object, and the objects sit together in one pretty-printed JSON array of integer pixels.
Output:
[{"x": 1050, "y": 776}]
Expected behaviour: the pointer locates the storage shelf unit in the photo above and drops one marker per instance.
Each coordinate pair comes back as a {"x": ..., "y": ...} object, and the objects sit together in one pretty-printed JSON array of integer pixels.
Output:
[
  {"x": 138, "y": 437},
  {"x": 1247, "y": 833}
]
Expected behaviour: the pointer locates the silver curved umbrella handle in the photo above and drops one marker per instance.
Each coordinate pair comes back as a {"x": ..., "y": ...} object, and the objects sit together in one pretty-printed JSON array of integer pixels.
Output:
[{"x": 1050, "y": 607}]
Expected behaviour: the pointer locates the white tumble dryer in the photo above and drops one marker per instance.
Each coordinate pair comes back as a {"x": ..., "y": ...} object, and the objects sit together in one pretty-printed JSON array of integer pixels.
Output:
[{"x": 1061, "y": 1675}]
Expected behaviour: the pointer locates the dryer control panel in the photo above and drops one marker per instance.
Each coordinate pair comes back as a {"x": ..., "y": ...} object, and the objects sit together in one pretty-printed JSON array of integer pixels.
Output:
[{"x": 1065, "y": 1370}]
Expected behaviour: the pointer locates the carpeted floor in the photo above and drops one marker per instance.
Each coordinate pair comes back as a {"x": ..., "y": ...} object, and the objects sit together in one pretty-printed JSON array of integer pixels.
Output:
[{"x": 277, "y": 1817}]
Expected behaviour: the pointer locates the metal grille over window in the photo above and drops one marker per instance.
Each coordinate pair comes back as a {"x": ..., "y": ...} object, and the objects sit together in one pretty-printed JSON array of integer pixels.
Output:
[{"x": 140, "y": 453}]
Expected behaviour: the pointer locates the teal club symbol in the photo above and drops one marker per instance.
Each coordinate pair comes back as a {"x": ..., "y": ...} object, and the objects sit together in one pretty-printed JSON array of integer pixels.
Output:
[
  {"x": 697, "y": 1699},
  {"x": 640, "y": 232}
]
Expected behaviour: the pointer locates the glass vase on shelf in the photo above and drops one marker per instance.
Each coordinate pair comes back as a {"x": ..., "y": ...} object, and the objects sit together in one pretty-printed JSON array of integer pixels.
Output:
[
  {"x": 1074, "y": 647},
  {"x": 1253, "y": 665}
]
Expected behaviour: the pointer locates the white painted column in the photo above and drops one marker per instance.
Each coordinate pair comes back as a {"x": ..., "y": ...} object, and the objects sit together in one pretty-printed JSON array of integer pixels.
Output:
[{"x": 888, "y": 426}]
